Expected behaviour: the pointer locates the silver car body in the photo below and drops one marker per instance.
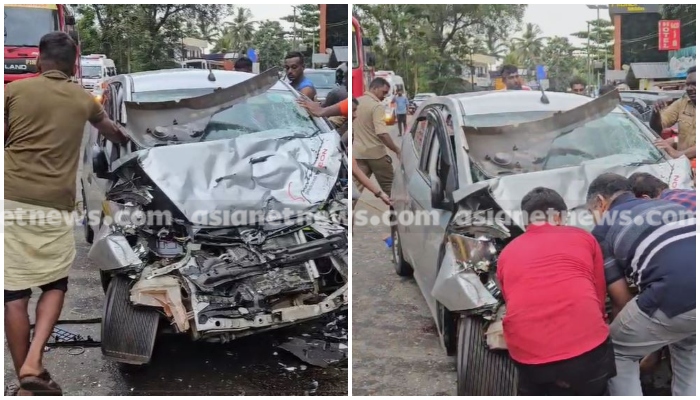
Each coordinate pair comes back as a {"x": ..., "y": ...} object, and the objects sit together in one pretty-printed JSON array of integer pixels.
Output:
[
  {"x": 283, "y": 183},
  {"x": 433, "y": 244}
]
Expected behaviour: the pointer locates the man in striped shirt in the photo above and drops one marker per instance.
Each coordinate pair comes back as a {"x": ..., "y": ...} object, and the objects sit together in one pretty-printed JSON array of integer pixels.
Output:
[
  {"x": 650, "y": 243},
  {"x": 648, "y": 186}
]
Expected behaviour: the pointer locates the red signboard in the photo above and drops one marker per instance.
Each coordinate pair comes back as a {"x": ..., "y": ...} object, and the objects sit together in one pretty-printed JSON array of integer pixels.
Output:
[{"x": 669, "y": 35}]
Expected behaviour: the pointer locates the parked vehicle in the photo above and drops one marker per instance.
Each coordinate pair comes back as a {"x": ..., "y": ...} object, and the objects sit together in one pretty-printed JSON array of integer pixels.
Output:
[
  {"x": 25, "y": 24},
  {"x": 224, "y": 215},
  {"x": 465, "y": 166},
  {"x": 324, "y": 81}
]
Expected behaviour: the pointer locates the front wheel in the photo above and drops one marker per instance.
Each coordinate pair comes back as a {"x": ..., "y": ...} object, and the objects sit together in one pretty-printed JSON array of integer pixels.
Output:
[
  {"x": 401, "y": 267},
  {"x": 480, "y": 371}
]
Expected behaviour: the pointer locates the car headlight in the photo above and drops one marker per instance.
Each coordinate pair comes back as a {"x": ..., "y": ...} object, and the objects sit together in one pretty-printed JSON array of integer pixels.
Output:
[
  {"x": 479, "y": 253},
  {"x": 123, "y": 215}
]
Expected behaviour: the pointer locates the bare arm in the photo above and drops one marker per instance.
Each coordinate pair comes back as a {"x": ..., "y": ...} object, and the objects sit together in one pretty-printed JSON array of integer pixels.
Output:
[
  {"x": 665, "y": 116},
  {"x": 315, "y": 109},
  {"x": 309, "y": 92},
  {"x": 110, "y": 130},
  {"x": 620, "y": 296}
]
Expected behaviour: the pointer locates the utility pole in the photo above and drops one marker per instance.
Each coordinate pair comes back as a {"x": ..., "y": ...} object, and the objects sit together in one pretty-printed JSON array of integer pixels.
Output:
[
  {"x": 599, "y": 7},
  {"x": 294, "y": 40}
]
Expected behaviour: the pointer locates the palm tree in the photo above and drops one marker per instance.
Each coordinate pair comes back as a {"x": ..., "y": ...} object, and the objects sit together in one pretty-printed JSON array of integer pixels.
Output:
[
  {"x": 240, "y": 31},
  {"x": 223, "y": 45},
  {"x": 495, "y": 45},
  {"x": 529, "y": 47}
]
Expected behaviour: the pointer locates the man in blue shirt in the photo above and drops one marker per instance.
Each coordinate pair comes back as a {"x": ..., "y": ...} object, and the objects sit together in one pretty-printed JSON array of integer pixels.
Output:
[
  {"x": 401, "y": 103},
  {"x": 651, "y": 244},
  {"x": 294, "y": 67}
]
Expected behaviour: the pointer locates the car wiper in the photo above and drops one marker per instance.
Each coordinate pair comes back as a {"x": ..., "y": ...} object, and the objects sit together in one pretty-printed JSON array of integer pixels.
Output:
[{"x": 647, "y": 162}]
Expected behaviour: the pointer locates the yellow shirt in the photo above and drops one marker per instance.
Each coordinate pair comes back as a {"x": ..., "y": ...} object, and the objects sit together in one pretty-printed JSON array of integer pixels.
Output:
[
  {"x": 366, "y": 128},
  {"x": 682, "y": 112}
]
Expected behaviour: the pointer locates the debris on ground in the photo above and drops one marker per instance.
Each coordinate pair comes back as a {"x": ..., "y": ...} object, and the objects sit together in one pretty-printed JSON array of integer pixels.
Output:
[
  {"x": 63, "y": 338},
  {"x": 322, "y": 347}
]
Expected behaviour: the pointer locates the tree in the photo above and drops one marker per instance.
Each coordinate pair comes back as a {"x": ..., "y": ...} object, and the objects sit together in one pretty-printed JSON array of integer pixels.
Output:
[
  {"x": 563, "y": 65},
  {"x": 600, "y": 38},
  {"x": 528, "y": 47},
  {"x": 308, "y": 25},
  {"x": 430, "y": 44},
  {"x": 239, "y": 32},
  {"x": 142, "y": 37},
  {"x": 271, "y": 45}
]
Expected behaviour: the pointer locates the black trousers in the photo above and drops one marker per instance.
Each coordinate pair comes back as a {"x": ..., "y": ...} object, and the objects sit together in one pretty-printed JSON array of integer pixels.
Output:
[
  {"x": 585, "y": 375},
  {"x": 401, "y": 120}
]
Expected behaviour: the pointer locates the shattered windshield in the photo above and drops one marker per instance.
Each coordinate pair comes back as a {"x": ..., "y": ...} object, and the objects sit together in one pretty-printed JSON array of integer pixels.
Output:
[
  {"x": 614, "y": 138},
  {"x": 274, "y": 112}
]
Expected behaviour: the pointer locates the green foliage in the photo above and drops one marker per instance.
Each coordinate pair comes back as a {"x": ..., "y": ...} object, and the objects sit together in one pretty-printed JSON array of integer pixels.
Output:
[
  {"x": 145, "y": 36},
  {"x": 599, "y": 40},
  {"x": 686, "y": 14},
  {"x": 307, "y": 21},
  {"x": 562, "y": 63},
  {"x": 272, "y": 49},
  {"x": 428, "y": 45}
]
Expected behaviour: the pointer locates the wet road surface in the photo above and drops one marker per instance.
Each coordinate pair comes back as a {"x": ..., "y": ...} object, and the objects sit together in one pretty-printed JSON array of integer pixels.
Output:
[
  {"x": 395, "y": 346},
  {"x": 247, "y": 366}
]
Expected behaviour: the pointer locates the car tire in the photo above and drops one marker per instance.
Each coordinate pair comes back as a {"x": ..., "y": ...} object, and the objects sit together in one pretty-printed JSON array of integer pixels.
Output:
[
  {"x": 480, "y": 371},
  {"x": 447, "y": 329},
  {"x": 401, "y": 267},
  {"x": 105, "y": 278},
  {"x": 88, "y": 233},
  {"x": 128, "y": 332}
]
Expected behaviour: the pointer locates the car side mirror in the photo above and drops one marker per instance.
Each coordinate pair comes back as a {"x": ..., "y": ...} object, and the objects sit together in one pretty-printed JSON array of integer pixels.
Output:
[
  {"x": 100, "y": 166},
  {"x": 371, "y": 60}
]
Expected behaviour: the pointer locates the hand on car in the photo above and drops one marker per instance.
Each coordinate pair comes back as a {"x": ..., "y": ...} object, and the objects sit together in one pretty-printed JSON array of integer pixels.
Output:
[
  {"x": 668, "y": 146},
  {"x": 661, "y": 104},
  {"x": 313, "y": 107}
]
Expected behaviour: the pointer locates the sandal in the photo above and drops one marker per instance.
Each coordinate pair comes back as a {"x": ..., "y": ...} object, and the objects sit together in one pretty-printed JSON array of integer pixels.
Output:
[{"x": 41, "y": 385}]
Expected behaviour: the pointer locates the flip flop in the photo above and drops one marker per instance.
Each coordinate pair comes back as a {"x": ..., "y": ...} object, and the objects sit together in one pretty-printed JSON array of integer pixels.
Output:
[{"x": 41, "y": 385}]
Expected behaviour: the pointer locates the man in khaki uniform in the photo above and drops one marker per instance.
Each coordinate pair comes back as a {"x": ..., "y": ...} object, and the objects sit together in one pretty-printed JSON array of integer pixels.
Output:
[
  {"x": 681, "y": 112},
  {"x": 44, "y": 121},
  {"x": 371, "y": 136}
]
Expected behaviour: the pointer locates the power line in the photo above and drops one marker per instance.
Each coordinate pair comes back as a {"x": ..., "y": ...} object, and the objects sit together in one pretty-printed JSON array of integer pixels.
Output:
[{"x": 650, "y": 36}]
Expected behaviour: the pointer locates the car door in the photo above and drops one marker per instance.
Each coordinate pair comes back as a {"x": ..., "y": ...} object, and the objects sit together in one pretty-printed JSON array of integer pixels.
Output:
[
  {"x": 437, "y": 167},
  {"x": 412, "y": 187}
]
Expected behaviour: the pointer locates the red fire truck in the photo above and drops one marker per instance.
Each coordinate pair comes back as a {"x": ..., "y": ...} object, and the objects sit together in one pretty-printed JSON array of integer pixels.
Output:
[
  {"x": 362, "y": 60},
  {"x": 25, "y": 24}
]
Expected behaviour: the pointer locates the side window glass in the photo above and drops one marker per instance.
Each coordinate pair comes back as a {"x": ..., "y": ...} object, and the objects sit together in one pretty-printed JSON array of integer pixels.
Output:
[
  {"x": 428, "y": 144},
  {"x": 418, "y": 134}
]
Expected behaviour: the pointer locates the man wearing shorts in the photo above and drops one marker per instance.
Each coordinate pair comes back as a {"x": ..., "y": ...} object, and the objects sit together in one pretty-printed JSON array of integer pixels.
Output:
[
  {"x": 44, "y": 121},
  {"x": 401, "y": 103}
]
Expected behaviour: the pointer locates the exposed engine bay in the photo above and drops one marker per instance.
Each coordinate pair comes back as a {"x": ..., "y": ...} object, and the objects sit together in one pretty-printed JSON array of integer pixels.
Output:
[{"x": 222, "y": 281}]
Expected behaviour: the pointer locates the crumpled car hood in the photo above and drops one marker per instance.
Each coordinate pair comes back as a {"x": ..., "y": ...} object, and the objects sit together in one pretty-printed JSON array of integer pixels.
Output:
[
  {"x": 273, "y": 171},
  {"x": 572, "y": 183}
]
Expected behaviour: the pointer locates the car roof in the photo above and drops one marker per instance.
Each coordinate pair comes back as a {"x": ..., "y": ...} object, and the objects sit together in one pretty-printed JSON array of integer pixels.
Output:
[
  {"x": 511, "y": 101},
  {"x": 189, "y": 78},
  {"x": 319, "y": 71}
]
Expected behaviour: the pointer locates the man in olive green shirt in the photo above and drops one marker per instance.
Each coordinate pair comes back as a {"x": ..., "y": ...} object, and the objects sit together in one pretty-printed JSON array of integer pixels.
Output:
[
  {"x": 371, "y": 136},
  {"x": 44, "y": 121}
]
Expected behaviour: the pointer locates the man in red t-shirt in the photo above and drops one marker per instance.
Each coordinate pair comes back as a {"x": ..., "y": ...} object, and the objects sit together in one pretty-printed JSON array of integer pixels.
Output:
[{"x": 553, "y": 283}]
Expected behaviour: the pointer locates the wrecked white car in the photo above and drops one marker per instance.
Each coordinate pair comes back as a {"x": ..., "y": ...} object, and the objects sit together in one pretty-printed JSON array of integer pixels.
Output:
[
  {"x": 467, "y": 163},
  {"x": 225, "y": 214}
]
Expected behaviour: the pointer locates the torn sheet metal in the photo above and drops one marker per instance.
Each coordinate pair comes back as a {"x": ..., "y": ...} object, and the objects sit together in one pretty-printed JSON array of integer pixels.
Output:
[
  {"x": 275, "y": 172},
  {"x": 459, "y": 288},
  {"x": 163, "y": 292},
  {"x": 572, "y": 184},
  {"x": 493, "y": 148},
  {"x": 146, "y": 120},
  {"x": 316, "y": 352},
  {"x": 110, "y": 250}
]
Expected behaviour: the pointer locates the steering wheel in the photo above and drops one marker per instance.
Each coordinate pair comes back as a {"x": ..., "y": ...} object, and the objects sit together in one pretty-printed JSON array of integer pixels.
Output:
[{"x": 562, "y": 151}]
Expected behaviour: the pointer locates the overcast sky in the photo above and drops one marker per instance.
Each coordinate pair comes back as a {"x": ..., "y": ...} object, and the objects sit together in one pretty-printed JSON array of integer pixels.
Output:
[
  {"x": 262, "y": 12},
  {"x": 562, "y": 20},
  {"x": 554, "y": 20}
]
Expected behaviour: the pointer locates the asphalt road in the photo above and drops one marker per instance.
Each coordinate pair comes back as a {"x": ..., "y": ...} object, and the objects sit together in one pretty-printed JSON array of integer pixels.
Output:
[
  {"x": 395, "y": 346},
  {"x": 248, "y": 366}
]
